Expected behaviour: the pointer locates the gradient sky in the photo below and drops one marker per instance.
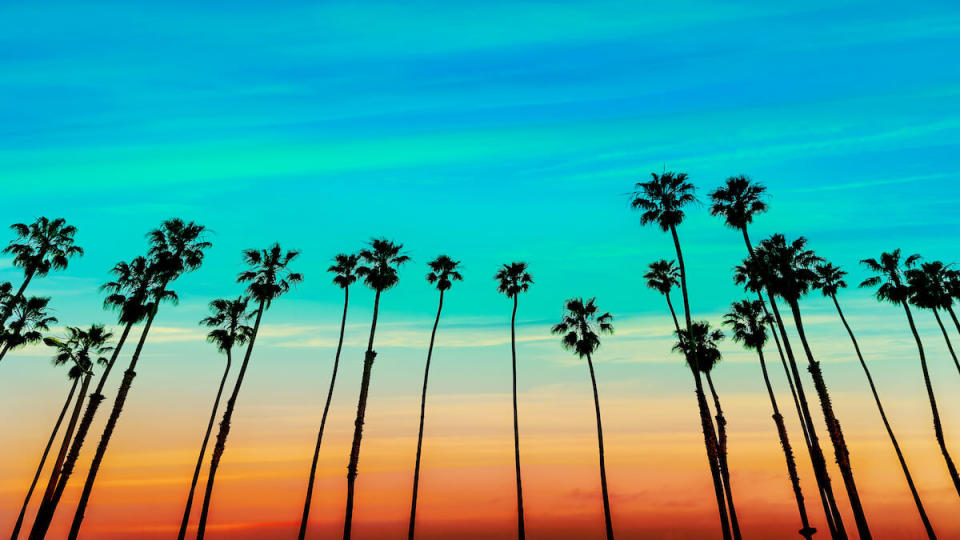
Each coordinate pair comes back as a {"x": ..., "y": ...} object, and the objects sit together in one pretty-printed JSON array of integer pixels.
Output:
[{"x": 493, "y": 132}]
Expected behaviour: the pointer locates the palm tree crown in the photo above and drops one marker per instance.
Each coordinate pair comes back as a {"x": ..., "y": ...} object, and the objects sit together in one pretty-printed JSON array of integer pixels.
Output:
[
  {"x": 581, "y": 326},
  {"x": 513, "y": 279},
  {"x": 268, "y": 276},
  {"x": 737, "y": 201},
  {"x": 928, "y": 285},
  {"x": 176, "y": 247},
  {"x": 443, "y": 272},
  {"x": 227, "y": 323},
  {"x": 380, "y": 264},
  {"x": 29, "y": 317},
  {"x": 889, "y": 275},
  {"x": 748, "y": 319},
  {"x": 129, "y": 293},
  {"x": 787, "y": 269},
  {"x": 829, "y": 279},
  {"x": 84, "y": 348},
  {"x": 43, "y": 245},
  {"x": 662, "y": 199},
  {"x": 344, "y": 268},
  {"x": 662, "y": 276},
  {"x": 706, "y": 343}
]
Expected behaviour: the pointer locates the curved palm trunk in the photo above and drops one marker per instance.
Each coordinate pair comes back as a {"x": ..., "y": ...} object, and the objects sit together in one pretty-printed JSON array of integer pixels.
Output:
[
  {"x": 954, "y": 317},
  {"x": 886, "y": 424},
  {"x": 603, "y": 468},
  {"x": 323, "y": 420},
  {"x": 833, "y": 427},
  {"x": 3, "y": 351},
  {"x": 946, "y": 338},
  {"x": 423, "y": 408},
  {"x": 224, "y": 430},
  {"x": 16, "y": 297},
  {"x": 43, "y": 459},
  {"x": 937, "y": 427},
  {"x": 203, "y": 449},
  {"x": 368, "y": 359},
  {"x": 521, "y": 531},
  {"x": 724, "y": 470}
]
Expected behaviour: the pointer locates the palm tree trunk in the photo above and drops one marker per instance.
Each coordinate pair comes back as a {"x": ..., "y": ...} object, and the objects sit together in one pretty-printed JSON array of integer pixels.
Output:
[
  {"x": 3, "y": 351},
  {"x": 833, "y": 427},
  {"x": 946, "y": 337},
  {"x": 954, "y": 317},
  {"x": 224, "y": 430},
  {"x": 323, "y": 420},
  {"x": 724, "y": 470},
  {"x": 709, "y": 435},
  {"x": 603, "y": 467},
  {"x": 43, "y": 459},
  {"x": 13, "y": 300},
  {"x": 368, "y": 359},
  {"x": 203, "y": 449},
  {"x": 521, "y": 531},
  {"x": 886, "y": 424},
  {"x": 937, "y": 427}
]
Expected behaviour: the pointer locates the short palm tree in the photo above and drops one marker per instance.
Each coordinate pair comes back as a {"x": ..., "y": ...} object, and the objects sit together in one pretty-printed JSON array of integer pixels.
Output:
[
  {"x": 662, "y": 276},
  {"x": 268, "y": 277},
  {"x": 747, "y": 320},
  {"x": 443, "y": 272},
  {"x": 30, "y": 318},
  {"x": 889, "y": 278},
  {"x": 344, "y": 270},
  {"x": 229, "y": 330},
  {"x": 513, "y": 279},
  {"x": 381, "y": 262},
  {"x": 928, "y": 290},
  {"x": 830, "y": 280},
  {"x": 662, "y": 200},
  {"x": 581, "y": 327}
]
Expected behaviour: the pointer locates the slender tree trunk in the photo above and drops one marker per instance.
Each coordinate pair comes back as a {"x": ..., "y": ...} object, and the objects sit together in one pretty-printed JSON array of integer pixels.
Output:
[
  {"x": 224, "y": 430},
  {"x": 724, "y": 469},
  {"x": 603, "y": 468},
  {"x": 946, "y": 338},
  {"x": 5, "y": 314},
  {"x": 43, "y": 459},
  {"x": 423, "y": 410},
  {"x": 368, "y": 359},
  {"x": 709, "y": 434},
  {"x": 954, "y": 317},
  {"x": 323, "y": 420},
  {"x": 521, "y": 529},
  {"x": 937, "y": 427},
  {"x": 3, "y": 351},
  {"x": 203, "y": 449}
]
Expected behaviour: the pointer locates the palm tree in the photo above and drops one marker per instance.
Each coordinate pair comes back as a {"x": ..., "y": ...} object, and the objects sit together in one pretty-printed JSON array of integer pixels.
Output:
[
  {"x": 891, "y": 285},
  {"x": 829, "y": 280},
  {"x": 176, "y": 247},
  {"x": 443, "y": 272},
  {"x": 381, "y": 261},
  {"x": 738, "y": 201},
  {"x": 344, "y": 270},
  {"x": 581, "y": 327},
  {"x": 953, "y": 289},
  {"x": 267, "y": 278},
  {"x": 30, "y": 320},
  {"x": 229, "y": 330},
  {"x": 928, "y": 290},
  {"x": 747, "y": 319},
  {"x": 788, "y": 270},
  {"x": 661, "y": 200}
]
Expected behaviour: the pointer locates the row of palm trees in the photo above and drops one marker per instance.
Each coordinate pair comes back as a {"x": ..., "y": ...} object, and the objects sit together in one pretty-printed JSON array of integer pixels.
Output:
[{"x": 773, "y": 270}]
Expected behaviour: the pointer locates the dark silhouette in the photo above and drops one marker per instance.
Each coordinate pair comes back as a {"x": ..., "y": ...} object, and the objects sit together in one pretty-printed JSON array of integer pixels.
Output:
[
  {"x": 892, "y": 287},
  {"x": 513, "y": 279},
  {"x": 581, "y": 327},
  {"x": 443, "y": 272},
  {"x": 928, "y": 290},
  {"x": 953, "y": 289},
  {"x": 381, "y": 261},
  {"x": 267, "y": 278},
  {"x": 30, "y": 318},
  {"x": 829, "y": 280},
  {"x": 747, "y": 319},
  {"x": 344, "y": 268},
  {"x": 229, "y": 330}
]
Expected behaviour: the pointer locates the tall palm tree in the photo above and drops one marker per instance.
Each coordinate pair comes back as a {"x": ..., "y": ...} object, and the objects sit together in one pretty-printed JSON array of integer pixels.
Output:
[
  {"x": 443, "y": 272},
  {"x": 892, "y": 287},
  {"x": 789, "y": 273},
  {"x": 228, "y": 331},
  {"x": 953, "y": 289},
  {"x": 747, "y": 319},
  {"x": 176, "y": 247},
  {"x": 738, "y": 201},
  {"x": 661, "y": 200},
  {"x": 513, "y": 279},
  {"x": 267, "y": 278},
  {"x": 381, "y": 261},
  {"x": 581, "y": 327},
  {"x": 344, "y": 269},
  {"x": 30, "y": 319},
  {"x": 928, "y": 290},
  {"x": 829, "y": 280}
]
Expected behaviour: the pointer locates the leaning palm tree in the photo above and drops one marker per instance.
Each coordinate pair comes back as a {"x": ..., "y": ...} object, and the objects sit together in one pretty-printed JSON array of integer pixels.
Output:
[
  {"x": 892, "y": 287},
  {"x": 267, "y": 278},
  {"x": 928, "y": 290},
  {"x": 661, "y": 200},
  {"x": 30, "y": 318},
  {"x": 513, "y": 279},
  {"x": 581, "y": 327},
  {"x": 228, "y": 331},
  {"x": 345, "y": 274},
  {"x": 443, "y": 272},
  {"x": 381, "y": 262},
  {"x": 747, "y": 319}
]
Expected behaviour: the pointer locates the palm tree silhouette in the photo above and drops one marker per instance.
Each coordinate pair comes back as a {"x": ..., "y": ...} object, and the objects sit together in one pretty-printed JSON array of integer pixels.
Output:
[
  {"x": 953, "y": 289},
  {"x": 513, "y": 279},
  {"x": 581, "y": 327},
  {"x": 267, "y": 278},
  {"x": 928, "y": 290},
  {"x": 829, "y": 280},
  {"x": 892, "y": 287},
  {"x": 661, "y": 201},
  {"x": 747, "y": 319},
  {"x": 443, "y": 272},
  {"x": 30, "y": 319},
  {"x": 788, "y": 271},
  {"x": 381, "y": 261},
  {"x": 344, "y": 270},
  {"x": 229, "y": 330},
  {"x": 738, "y": 201}
]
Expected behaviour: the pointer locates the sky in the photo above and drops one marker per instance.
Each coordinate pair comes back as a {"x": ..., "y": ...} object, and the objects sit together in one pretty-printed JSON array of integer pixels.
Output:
[{"x": 492, "y": 132}]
